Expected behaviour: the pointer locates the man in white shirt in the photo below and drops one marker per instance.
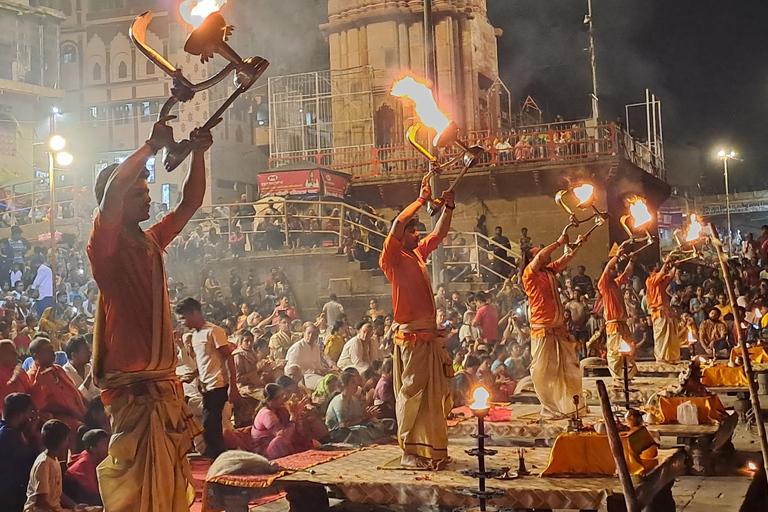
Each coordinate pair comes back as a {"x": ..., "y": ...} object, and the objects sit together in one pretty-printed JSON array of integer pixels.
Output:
[
  {"x": 43, "y": 285},
  {"x": 216, "y": 369},
  {"x": 357, "y": 352},
  {"x": 333, "y": 310},
  {"x": 78, "y": 367},
  {"x": 307, "y": 355}
]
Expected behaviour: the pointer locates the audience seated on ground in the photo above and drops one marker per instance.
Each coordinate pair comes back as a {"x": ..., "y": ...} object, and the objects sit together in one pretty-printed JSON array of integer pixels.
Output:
[
  {"x": 55, "y": 392},
  {"x": 348, "y": 420},
  {"x": 80, "y": 481},
  {"x": 18, "y": 450}
]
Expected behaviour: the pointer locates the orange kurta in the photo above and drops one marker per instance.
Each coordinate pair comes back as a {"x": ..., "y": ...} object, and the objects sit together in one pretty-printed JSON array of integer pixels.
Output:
[
  {"x": 543, "y": 292},
  {"x": 613, "y": 301},
  {"x": 8, "y": 385},
  {"x": 656, "y": 288},
  {"x": 407, "y": 273},
  {"x": 130, "y": 335}
]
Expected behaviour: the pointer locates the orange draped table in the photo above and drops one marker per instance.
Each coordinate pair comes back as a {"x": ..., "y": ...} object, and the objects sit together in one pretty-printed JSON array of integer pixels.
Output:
[
  {"x": 722, "y": 376},
  {"x": 756, "y": 354},
  {"x": 588, "y": 453},
  {"x": 709, "y": 408}
]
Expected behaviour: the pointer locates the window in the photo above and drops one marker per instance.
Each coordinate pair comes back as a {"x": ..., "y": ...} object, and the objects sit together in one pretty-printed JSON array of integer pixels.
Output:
[
  {"x": 166, "y": 194},
  {"x": 149, "y": 110},
  {"x": 150, "y": 165},
  {"x": 122, "y": 70},
  {"x": 105, "y": 5},
  {"x": 150, "y": 70},
  {"x": 96, "y": 72},
  {"x": 68, "y": 53},
  {"x": 97, "y": 167},
  {"x": 122, "y": 113}
]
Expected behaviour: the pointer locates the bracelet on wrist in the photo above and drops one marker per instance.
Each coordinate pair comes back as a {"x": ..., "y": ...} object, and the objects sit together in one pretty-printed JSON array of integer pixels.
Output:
[
  {"x": 422, "y": 201},
  {"x": 450, "y": 207}
]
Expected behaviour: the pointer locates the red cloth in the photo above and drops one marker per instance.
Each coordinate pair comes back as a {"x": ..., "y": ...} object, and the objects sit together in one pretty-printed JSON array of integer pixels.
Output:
[
  {"x": 21, "y": 384},
  {"x": 487, "y": 318},
  {"x": 55, "y": 390},
  {"x": 82, "y": 471}
]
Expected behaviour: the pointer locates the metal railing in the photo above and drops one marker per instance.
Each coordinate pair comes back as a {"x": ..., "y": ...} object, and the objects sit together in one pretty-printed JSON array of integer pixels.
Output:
[
  {"x": 556, "y": 143},
  {"x": 29, "y": 203},
  {"x": 343, "y": 226}
]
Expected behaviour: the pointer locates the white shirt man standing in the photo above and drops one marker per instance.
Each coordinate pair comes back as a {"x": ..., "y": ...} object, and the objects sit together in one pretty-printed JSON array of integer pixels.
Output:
[
  {"x": 357, "y": 352},
  {"x": 215, "y": 365},
  {"x": 307, "y": 355},
  {"x": 43, "y": 285},
  {"x": 333, "y": 310}
]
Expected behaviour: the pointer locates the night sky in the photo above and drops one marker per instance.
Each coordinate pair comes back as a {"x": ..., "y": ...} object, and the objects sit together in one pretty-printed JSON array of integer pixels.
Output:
[{"x": 707, "y": 61}]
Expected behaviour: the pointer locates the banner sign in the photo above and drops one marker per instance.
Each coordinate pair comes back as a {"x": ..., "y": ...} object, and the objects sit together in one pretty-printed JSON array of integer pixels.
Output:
[
  {"x": 334, "y": 184},
  {"x": 283, "y": 183},
  {"x": 720, "y": 209}
]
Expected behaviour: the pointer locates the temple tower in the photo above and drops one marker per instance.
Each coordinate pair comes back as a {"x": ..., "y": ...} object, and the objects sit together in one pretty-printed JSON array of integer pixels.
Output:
[{"x": 385, "y": 38}]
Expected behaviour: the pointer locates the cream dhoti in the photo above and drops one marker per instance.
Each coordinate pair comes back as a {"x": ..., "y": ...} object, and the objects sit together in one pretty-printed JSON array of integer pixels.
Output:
[
  {"x": 666, "y": 344},
  {"x": 421, "y": 372},
  {"x": 617, "y": 331},
  {"x": 555, "y": 371},
  {"x": 146, "y": 469}
]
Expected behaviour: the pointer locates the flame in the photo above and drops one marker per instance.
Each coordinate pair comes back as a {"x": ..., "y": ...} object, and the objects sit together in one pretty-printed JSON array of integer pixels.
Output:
[
  {"x": 584, "y": 193},
  {"x": 691, "y": 337},
  {"x": 426, "y": 106},
  {"x": 744, "y": 325},
  {"x": 639, "y": 212},
  {"x": 752, "y": 466},
  {"x": 195, "y": 11},
  {"x": 625, "y": 348},
  {"x": 694, "y": 229},
  {"x": 480, "y": 397}
]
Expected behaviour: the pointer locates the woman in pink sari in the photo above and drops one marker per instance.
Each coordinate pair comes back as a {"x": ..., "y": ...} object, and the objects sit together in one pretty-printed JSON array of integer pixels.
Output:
[{"x": 277, "y": 432}]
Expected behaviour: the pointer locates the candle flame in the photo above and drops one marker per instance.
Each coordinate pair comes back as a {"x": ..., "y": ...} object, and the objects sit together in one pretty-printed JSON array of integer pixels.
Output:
[
  {"x": 691, "y": 337},
  {"x": 426, "y": 106},
  {"x": 694, "y": 229},
  {"x": 195, "y": 11},
  {"x": 639, "y": 212},
  {"x": 584, "y": 193},
  {"x": 625, "y": 348},
  {"x": 480, "y": 397},
  {"x": 752, "y": 466}
]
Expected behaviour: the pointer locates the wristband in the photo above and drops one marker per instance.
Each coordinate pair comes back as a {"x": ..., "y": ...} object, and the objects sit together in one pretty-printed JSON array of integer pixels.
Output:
[
  {"x": 422, "y": 201},
  {"x": 450, "y": 207}
]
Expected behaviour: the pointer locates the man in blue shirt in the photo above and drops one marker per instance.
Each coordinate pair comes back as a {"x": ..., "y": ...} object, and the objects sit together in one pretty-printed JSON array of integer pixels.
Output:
[{"x": 17, "y": 450}]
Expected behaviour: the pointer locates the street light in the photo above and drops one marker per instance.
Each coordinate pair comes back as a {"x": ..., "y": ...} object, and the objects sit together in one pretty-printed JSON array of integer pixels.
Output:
[
  {"x": 725, "y": 156},
  {"x": 56, "y": 154}
]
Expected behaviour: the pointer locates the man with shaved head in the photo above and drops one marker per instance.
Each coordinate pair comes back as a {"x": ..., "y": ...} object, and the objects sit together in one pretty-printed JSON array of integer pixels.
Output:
[{"x": 134, "y": 356}]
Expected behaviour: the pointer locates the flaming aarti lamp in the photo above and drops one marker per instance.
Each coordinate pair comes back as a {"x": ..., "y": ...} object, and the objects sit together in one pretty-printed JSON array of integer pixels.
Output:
[
  {"x": 687, "y": 241},
  {"x": 480, "y": 410},
  {"x": 637, "y": 222},
  {"x": 585, "y": 195},
  {"x": 207, "y": 39},
  {"x": 447, "y": 134}
]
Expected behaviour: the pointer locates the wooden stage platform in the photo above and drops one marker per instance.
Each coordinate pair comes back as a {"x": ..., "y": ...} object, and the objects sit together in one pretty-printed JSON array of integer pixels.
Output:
[{"x": 359, "y": 479}]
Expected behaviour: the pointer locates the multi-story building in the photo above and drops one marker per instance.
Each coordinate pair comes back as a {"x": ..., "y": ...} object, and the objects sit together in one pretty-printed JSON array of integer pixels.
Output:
[
  {"x": 114, "y": 94},
  {"x": 29, "y": 84},
  {"x": 355, "y": 126}
]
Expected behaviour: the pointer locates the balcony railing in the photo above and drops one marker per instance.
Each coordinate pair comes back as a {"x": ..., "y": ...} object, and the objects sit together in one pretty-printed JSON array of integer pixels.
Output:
[{"x": 553, "y": 143}]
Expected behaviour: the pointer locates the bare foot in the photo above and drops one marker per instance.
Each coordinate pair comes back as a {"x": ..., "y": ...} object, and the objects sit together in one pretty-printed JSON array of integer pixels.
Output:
[{"x": 414, "y": 461}]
